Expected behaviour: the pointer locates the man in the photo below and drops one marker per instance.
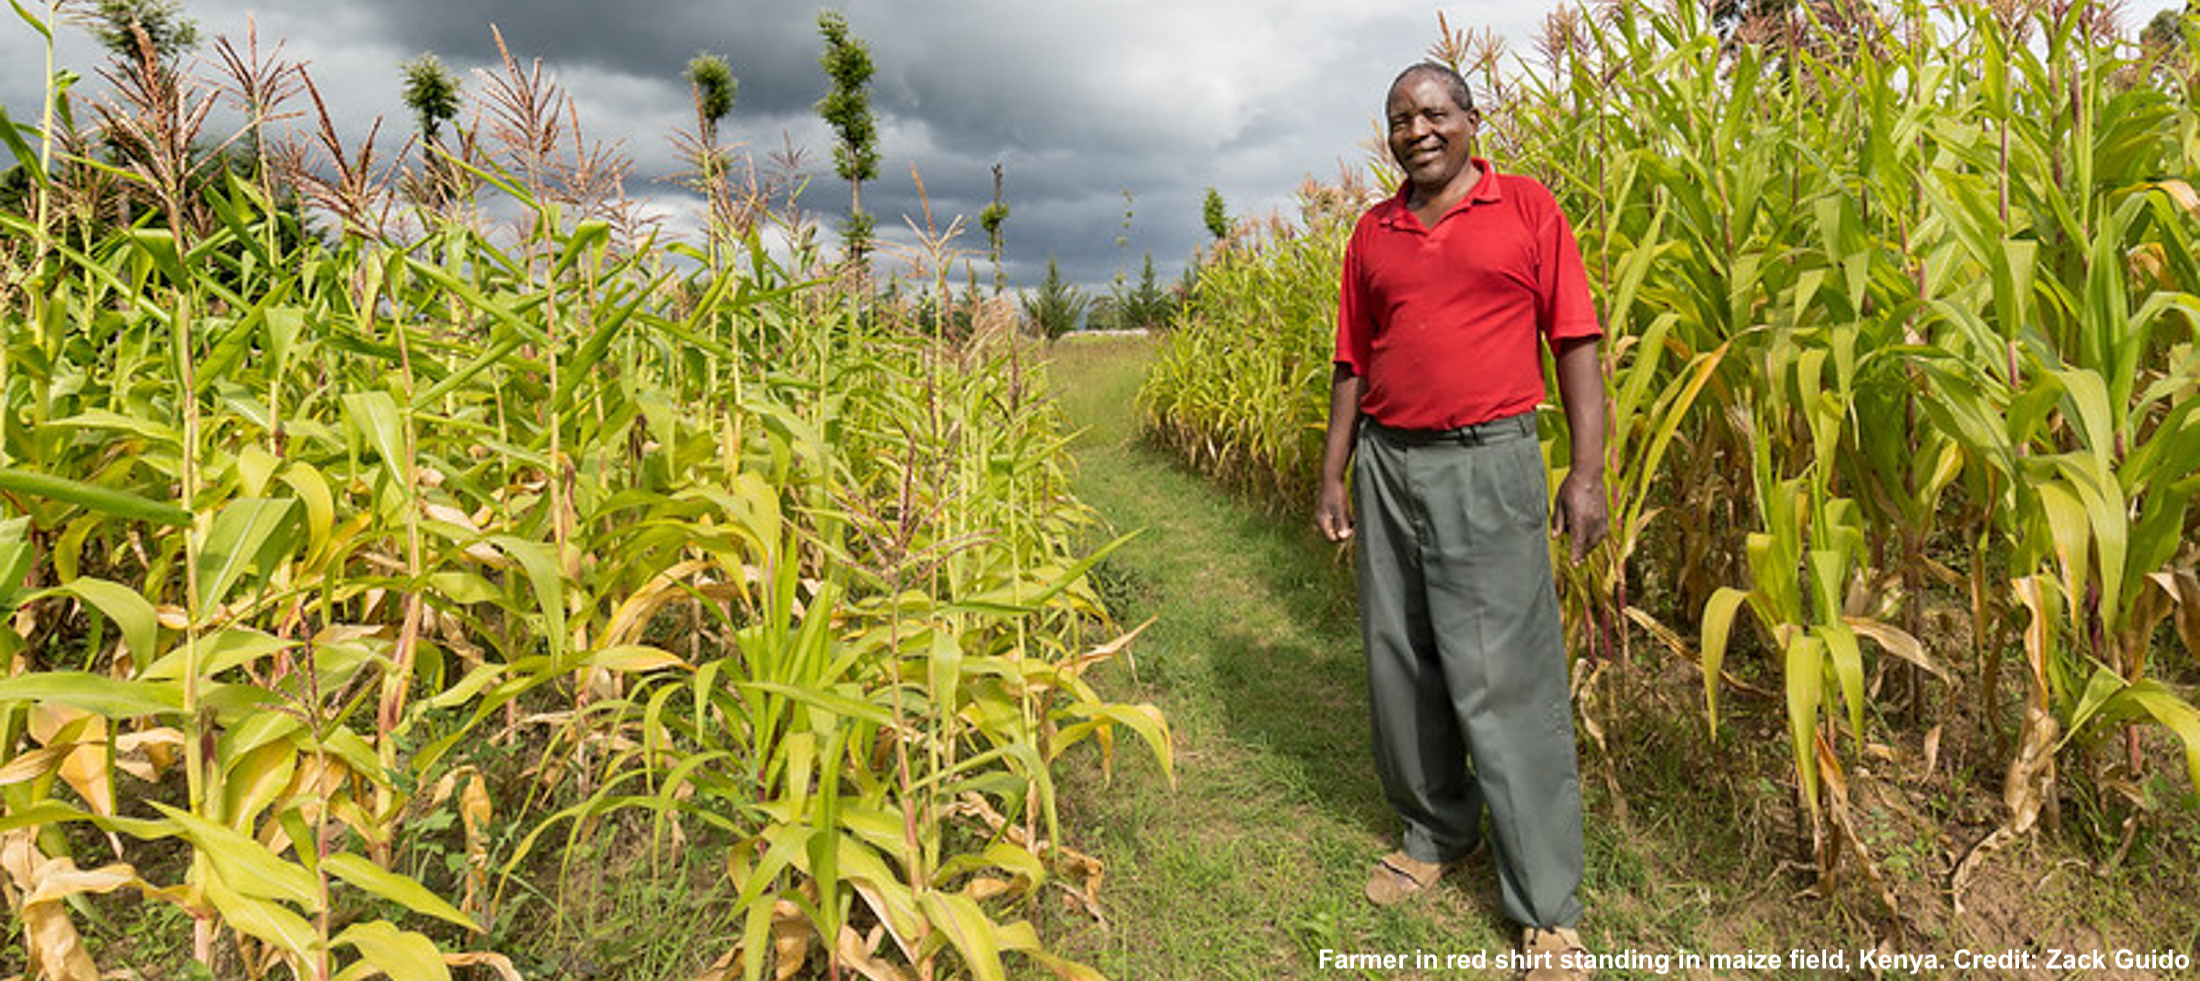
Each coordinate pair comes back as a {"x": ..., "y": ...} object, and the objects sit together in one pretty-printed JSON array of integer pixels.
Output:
[{"x": 1447, "y": 289}]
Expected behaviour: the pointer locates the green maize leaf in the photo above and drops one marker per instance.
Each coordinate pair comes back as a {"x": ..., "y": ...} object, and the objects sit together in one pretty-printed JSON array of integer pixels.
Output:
[
  {"x": 2108, "y": 517},
  {"x": 158, "y": 245},
  {"x": 227, "y": 648},
  {"x": 243, "y": 863},
  {"x": 826, "y": 701},
  {"x": 251, "y": 782},
  {"x": 2086, "y": 398},
  {"x": 106, "y": 500},
  {"x": 97, "y": 694},
  {"x": 16, "y": 556},
  {"x": 2072, "y": 534},
  {"x": 1848, "y": 669},
  {"x": 43, "y": 32},
  {"x": 590, "y": 234},
  {"x": 944, "y": 669},
  {"x": 401, "y": 954},
  {"x": 1806, "y": 655},
  {"x": 375, "y": 416},
  {"x": 2100, "y": 693},
  {"x": 40, "y": 814},
  {"x": 481, "y": 677},
  {"x": 2174, "y": 713},
  {"x": 102, "y": 419},
  {"x": 800, "y": 751},
  {"x": 319, "y": 502},
  {"x": 132, "y": 612},
  {"x": 239, "y": 741},
  {"x": 255, "y": 467},
  {"x": 540, "y": 562},
  {"x": 1000, "y": 855},
  {"x": 356, "y": 753},
  {"x": 396, "y": 888},
  {"x": 249, "y": 532}
]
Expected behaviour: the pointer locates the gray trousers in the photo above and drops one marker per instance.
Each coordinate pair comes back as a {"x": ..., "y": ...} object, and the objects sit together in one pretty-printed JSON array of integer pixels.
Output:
[{"x": 1466, "y": 657}]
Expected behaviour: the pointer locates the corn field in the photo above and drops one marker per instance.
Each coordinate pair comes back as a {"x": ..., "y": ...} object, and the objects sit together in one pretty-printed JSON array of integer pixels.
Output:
[
  {"x": 297, "y": 527},
  {"x": 1901, "y": 355}
]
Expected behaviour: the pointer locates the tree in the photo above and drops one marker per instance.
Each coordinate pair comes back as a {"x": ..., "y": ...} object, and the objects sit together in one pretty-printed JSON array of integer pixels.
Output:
[
  {"x": 431, "y": 92},
  {"x": 847, "y": 109},
  {"x": 1218, "y": 219},
  {"x": 117, "y": 23},
  {"x": 1141, "y": 307},
  {"x": 1057, "y": 306},
  {"x": 714, "y": 87},
  {"x": 2166, "y": 31},
  {"x": 711, "y": 83},
  {"x": 990, "y": 219}
]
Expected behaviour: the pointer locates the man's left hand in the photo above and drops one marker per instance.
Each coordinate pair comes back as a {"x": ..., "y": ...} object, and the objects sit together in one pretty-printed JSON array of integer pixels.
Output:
[{"x": 1580, "y": 512}]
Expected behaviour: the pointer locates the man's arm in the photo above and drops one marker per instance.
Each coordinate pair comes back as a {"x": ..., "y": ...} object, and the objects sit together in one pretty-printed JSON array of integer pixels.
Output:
[
  {"x": 1580, "y": 510},
  {"x": 1332, "y": 510}
]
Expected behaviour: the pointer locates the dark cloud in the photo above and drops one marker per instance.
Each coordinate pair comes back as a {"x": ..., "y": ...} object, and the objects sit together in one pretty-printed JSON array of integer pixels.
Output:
[{"x": 1079, "y": 100}]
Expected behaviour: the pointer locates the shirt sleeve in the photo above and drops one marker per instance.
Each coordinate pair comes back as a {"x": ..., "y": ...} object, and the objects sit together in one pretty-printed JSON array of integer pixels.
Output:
[
  {"x": 1355, "y": 324},
  {"x": 1565, "y": 309}
]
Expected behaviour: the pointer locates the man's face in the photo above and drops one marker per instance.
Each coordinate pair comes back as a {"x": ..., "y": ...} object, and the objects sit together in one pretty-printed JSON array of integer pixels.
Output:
[{"x": 1429, "y": 131}]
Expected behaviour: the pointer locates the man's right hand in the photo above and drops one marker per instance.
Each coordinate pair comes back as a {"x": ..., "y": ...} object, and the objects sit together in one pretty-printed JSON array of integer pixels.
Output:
[
  {"x": 1333, "y": 509},
  {"x": 1333, "y": 512}
]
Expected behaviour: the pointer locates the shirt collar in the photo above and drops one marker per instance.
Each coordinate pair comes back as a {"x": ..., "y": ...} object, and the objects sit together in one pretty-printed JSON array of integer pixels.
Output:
[{"x": 1486, "y": 190}]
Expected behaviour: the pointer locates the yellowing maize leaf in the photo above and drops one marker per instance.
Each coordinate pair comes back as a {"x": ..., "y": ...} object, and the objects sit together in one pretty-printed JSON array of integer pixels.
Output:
[
  {"x": 401, "y": 954},
  {"x": 265, "y": 920},
  {"x": 967, "y": 927},
  {"x": 246, "y": 865},
  {"x": 1718, "y": 620},
  {"x": 394, "y": 887},
  {"x": 633, "y": 614},
  {"x": 1900, "y": 643},
  {"x": 1021, "y": 938}
]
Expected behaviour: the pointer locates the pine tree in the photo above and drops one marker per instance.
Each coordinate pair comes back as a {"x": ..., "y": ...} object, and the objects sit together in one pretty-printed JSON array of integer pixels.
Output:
[
  {"x": 1212, "y": 211},
  {"x": 1057, "y": 306}
]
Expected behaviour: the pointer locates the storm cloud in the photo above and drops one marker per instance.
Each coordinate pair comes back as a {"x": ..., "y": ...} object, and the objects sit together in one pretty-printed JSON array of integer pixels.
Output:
[{"x": 1079, "y": 102}]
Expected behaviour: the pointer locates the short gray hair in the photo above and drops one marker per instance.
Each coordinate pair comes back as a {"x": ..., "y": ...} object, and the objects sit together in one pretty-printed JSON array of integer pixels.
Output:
[{"x": 1443, "y": 73}]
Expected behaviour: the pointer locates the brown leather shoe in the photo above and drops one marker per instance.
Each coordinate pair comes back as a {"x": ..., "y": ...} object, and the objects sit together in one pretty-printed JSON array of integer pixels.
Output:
[
  {"x": 1398, "y": 877},
  {"x": 1554, "y": 954}
]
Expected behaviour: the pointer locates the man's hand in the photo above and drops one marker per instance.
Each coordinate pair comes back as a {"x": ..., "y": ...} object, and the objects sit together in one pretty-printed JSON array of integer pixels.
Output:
[
  {"x": 1332, "y": 512},
  {"x": 1580, "y": 512},
  {"x": 1333, "y": 509}
]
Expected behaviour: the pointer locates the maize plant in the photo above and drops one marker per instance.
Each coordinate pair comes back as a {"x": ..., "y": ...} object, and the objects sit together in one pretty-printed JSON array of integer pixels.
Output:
[{"x": 311, "y": 518}]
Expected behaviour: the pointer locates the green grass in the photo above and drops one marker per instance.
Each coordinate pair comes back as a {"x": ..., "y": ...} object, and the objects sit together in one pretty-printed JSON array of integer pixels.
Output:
[{"x": 1255, "y": 860}]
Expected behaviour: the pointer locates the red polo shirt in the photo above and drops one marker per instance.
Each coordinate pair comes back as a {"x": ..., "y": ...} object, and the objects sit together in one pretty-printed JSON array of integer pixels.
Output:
[{"x": 1442, "y": 324}]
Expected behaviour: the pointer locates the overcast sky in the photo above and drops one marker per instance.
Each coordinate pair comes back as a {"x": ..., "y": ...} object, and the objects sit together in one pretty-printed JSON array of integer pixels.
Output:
[{"x": 1080, "y": 101}]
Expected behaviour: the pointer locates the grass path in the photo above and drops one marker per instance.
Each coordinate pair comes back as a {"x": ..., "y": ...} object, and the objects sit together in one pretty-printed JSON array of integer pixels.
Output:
[{"x": 1254, "y": 862}]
